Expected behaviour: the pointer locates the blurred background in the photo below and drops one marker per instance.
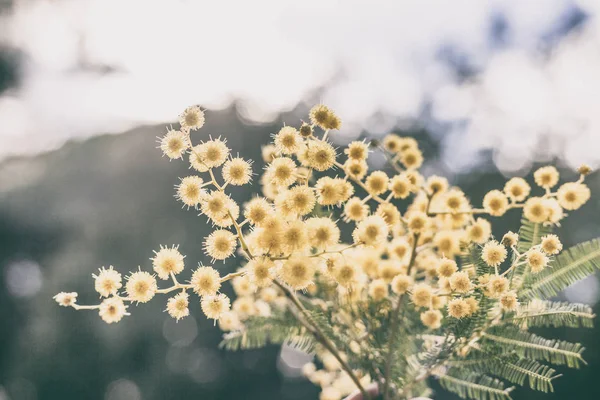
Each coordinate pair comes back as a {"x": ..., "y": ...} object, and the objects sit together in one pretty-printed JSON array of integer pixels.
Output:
[{"x": 491, "y": 89}]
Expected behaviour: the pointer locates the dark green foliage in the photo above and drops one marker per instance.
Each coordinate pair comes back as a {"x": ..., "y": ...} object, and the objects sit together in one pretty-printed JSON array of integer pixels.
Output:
[{"x": 469, "y": 385}]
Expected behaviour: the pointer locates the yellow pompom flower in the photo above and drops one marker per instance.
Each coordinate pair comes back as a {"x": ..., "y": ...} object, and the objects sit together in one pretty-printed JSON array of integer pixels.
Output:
[
  {"x": 237, "y": 171},
  {"x": 377, "y": 183},
  {"x": 417, "y": 221},
  {"x": 320, "y": 155},
  {"x": 447, "y": 242},
  {"x": 298, "y": 272},
  {"x": 358, "y": 151},
  {"x": 328, "y": 193},
  {"x": 432, "y": 319},
  {"x": 257, "y": 210},
  {"x": 189, "y": 190},
  {"x": 517, "y": 189},
  {"x": 399, "y": 248},
  {"x": 212, "y": 153},
  {"x": 455, "y": 200},
  {"x": 480, "y": 231},
  {"x": 510, "y": 239},
  {"x": 460, "y": 282},
  {"x": 473, "y": 304},
  {"x": 546, "y": 177},
  {"x": 192, "y": 118},
  {"x": 206, "y": 281},
  {"x": 167, "y": 261},
  {"x": 356, "y": 168},
  {"x": 324, "y": 117},
  {"x": 421, "y": 295},
  {"x": 535, "y": 210},
  {"x": 355, "y": 210},
  {"x": 446, "y": 267},
  {"x": 141, "y": 287},
  {"x": 459, "y": 308},
  {"x": 378, "y": 289},
  {"x": 299, "y": 200},
  {"x": 322, "y": 232},
  {"x": 493, "y": 253},
  {"x": 196, "y": 161},
  {"x": 174, "y": 144},
  {"x": 66, "y": 299},
  {"x": 412, "y": 158},
  {"x": 282, "y": 171},
  {"x": 177, "y": 306},
  {"x": 260, "y": 271},
  {"x": 306, "y": 130},
  {"x": 346, "y": 274},
  {"x": 388, "y": 270},
  {"x": 536, "y": 260},
  {"x": 389, "y": 213},
  {"x": 295, "y": 236},
  {"x": 495, "y": 203},
  {"x": 220, "y": 244},
  {"x": 554, "y": 212},
  {"x": 243, "y": 285},
  {"x": 215, "y": 205},
  {"x": 573, "y": 195},
  {"x": 107, "y": 282},
  {"x": 112, "y": 310},
  {"x": 551, "y": 244},
  {"x": 509, "y": 301},
  {"x": 214, "y": 306},
  {"x": 244, "y": 307},
  {"x": 371, "y": 231},
  {"x": 268, "y": 153},
  {"x": 401, "y": 186},
  {"x": 288, "y": 140},
  {"x": 392, "y": 143},
  {"x": 436, "y": 184},
  {"x": 496, "y": 285}
]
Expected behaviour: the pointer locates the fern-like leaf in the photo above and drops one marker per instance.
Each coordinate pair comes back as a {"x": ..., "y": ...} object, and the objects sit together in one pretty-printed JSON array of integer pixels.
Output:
[
  {"x": 530, "y": 234},
  {"x": 544, "y": 313},
  {"x": 569, "y": 267},
  {"x": 538, "y": 375},
  {"x": 531, "y": 346},
  {"x": 469, "y": 385}
]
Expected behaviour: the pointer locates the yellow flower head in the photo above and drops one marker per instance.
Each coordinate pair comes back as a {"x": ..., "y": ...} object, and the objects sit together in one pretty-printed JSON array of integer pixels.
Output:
[
  {"x": 322, "y": 232},
  {"x": 65, "y": 299},
  {"x": 189, "y": 190},
  {"x": 300, "y": 199},
  {"x": 355, "y": 210},
  {"x": 510, "y": 239},
  {"x": 192, "y": 118},
  {"x": 358, "y": 151},
  {"x": 536, "y": 260},
  {"x": 551, "y": 245},
  {"x": 257, "y": 210},
  {"x": 371, "y": 231},
  {"x": 495, "y": 203},
  {"x": 509, "y": 301},
  {"x": 573, "y": 195},
  {"x": 167, "y": 261},
  {"x": 497, "y": 285},
  {"x": 141, "y": 286},
  {"x": 237, "y": 171},
  {"x": 446, "y": 267},
  {"x": 460, "y": 282},
  {"x": 535, "y": 210},
  {"x": 282, "y": 171},
  {"x": 401, "y": 186},
  {"x": 412, "y": 158},
  {"x": 107, "y": 282},
  {"x": 112, "y": 310},
  {"x": 320, "y": 156},
  {"x": 377, "y": 183},
  {"x": 546, "y": 177},
  {"x": 260, "y": 271},
  {"x": 459, "y": 308},
  {"x": 432, "y": 319},
  {"x": 177, "y": 306},
  {"x": 417, "y": 221},
  {"x": 517, "y": 189},
  {"x": 436, "y": 184},
  {"x": 480, "y": 231},
  {"x": 206, "y": 281},
  {"x": 324, "y": 117},
  {"x": 214, "y": 306},
  {"x": 212, "y": 153},
  {"x": 288, "y": 140},
  {"x": 220, "y": 244},
  {"x": 298, "y": 272},
  {"x": 174, "y": 144},
  {"x": 378, "y": 289},
  {"x": 421, "y": 295},
  {"x": 493, "y": 253},
  {"x": 356, "y": 168}
]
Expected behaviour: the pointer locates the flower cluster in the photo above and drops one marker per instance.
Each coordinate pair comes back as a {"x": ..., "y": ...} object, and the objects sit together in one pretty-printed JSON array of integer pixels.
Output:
[{"x": 406, "y": 255}]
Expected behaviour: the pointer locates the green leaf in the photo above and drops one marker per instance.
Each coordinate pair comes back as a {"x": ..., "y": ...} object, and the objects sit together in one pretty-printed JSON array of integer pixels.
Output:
[
  {"x": 469, "y": 385},
  {"x": 545, "y": 313},
  {"x": 570, "y": 266},
  {"x": 538, "y": 375},
  {"x": 530, "y": 234},
  {"x": 535, "y": 347}
]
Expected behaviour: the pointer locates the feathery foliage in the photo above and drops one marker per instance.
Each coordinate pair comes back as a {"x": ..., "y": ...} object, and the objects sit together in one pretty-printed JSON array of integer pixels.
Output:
[{"x": 469, "y": 385}]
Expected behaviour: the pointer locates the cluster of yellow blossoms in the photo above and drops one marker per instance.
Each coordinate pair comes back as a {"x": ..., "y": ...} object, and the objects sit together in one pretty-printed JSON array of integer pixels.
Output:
[{"x": 291, "y": 236}]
